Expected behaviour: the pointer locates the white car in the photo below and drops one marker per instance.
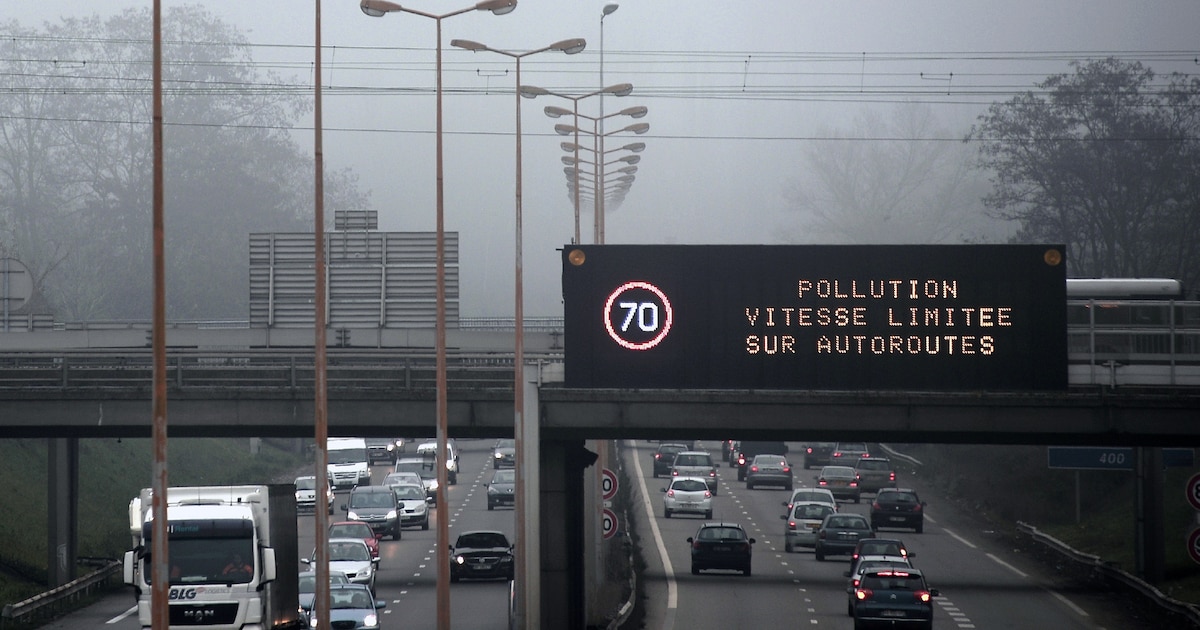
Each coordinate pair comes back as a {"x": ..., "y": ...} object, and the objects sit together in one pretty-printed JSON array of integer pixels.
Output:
[
  {"x": 687, "y": 494},
  {"x": 352, "y": 557},
  {"x": 413, "y": 508},
  {"x": 810, "y": 495},
  {"x": 401, "y": 478},
  {"x": 306, "y": 494},
  {"x": 428, "y": 449},
  {"x": 803, "y": 523}
]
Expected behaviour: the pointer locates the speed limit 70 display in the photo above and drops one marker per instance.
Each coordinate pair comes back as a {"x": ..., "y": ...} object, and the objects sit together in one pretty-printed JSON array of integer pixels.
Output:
[{"x": 637, "y": 315}]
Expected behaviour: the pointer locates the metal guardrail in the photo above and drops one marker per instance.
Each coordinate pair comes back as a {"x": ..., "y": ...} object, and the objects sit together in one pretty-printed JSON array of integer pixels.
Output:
[
  {"x": 1098, "y": 565},
  {"x": 57, "y": 600}
]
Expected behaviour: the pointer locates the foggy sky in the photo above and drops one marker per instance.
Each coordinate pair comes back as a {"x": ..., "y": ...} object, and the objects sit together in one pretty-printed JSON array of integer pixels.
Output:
[{"x": 734, "y": 89}]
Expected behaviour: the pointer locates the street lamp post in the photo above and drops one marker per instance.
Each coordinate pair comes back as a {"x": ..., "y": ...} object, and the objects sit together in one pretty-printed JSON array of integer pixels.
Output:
[
  {"x": 598, "y": 137},
  {"x": 526, "y": 436},
  {"x": 599, "y": 218},
  {"x": 378, "y": 8},
  {"x": 532, "y": 91}
]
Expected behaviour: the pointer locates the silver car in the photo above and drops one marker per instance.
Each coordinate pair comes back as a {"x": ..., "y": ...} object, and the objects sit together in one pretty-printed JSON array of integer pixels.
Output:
[
  {"x": 802, "y": 524},
  {"x": 687, "y": 495},
  {"x": 352, "y": 557},
  {"x": 769, "y": 470}
]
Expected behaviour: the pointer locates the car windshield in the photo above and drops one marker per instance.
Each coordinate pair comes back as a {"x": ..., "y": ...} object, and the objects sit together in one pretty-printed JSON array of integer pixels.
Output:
[
  {"x": 424, "y": 470},
  {"x": 897, "y": 497},
  {"x": 342, "y": 552},
  {"x": 854, "y": 447},
  {"x": 689, "y": 485},
  {"x": 880, "y": 548},
  {"x": 810, "y": 495},
  {"x": 769, "y": 460},
  {"x": 504, "y": 476},
  {"x": 722, "y": 533},
  {"x": 837, "y": 472},
  {"x": 372, "y": 500},
  {"x": 813, "y": 512},
  {"x": 873, "y": 464},
  {"x": 692, "y": 460},
  {"x": 482, "y": 539},
  {"x": 847, "y": 522},
  {"x": 308, "y": 583},
  {"x": 351, "y": 530},
  {"x": 506, "y": 444},
  {"x": 357, "y": 598},
  {"x": 896, "y": 582},
  {"x": 306, "y": 483},
  {"x": 409, "y": 493}
]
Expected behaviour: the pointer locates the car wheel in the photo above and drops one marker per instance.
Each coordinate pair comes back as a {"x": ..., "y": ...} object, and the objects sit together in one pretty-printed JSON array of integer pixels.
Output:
[
  {"x": 849, "y": 609},
  {"x": 397, "y": 534},
  {"x": 820, "y": 553},
  {"x": 789, "y": 487},
  {"x": 857, "y": 498},
  {"x": 453, "y": 578},
  {"x": 491, "y": 506},
  {"x": 708, "y": 515},
  {"x": 749, "y": 485},
  {"x": 425, "y": 524},
  {"x": 714, "y": 491},
  {"x": 788, "y": 548},
  {"x": 695, "y": 570},
  {"x": 746, "y": 571},
  {"x": 666, "y": 513},
  {"x": 921, "y": 527}
]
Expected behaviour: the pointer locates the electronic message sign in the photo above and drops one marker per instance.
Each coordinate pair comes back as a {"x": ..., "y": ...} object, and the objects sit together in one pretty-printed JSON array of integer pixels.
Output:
[{"x": 852, "y": 317}]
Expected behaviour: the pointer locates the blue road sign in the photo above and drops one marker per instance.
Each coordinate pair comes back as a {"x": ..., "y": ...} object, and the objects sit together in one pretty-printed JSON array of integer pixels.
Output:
[{"x": 1110, "y": 457}]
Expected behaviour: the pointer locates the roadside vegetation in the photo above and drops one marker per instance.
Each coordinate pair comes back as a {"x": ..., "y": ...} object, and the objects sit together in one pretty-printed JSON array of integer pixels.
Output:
[
  {"x": 111, "y": 472},
  {"x": 1007, "y": 484}
]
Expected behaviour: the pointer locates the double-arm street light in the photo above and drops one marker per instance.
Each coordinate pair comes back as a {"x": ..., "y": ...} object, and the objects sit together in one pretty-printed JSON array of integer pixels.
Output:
[
  {"x": 620, "y": 89},
  {"x": 379, "y": 8},
  {"x": 526, "y": 437}
]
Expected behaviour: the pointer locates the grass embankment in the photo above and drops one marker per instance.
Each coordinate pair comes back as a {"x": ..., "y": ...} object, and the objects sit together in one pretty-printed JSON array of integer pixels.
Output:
[
  {"x": 111, "y": 472},
  {"x": 1006, "y": 484}
]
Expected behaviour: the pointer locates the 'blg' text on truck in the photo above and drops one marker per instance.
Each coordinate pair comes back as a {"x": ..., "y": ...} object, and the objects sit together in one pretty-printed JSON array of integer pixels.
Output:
[{"x": 233, "y": 557}]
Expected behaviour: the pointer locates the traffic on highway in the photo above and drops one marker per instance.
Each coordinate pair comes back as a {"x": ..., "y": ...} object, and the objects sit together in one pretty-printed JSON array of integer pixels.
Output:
[{"x": 742, "y": 554}]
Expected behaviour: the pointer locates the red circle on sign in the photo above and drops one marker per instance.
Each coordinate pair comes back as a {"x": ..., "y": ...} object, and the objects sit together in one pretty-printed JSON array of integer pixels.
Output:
[
  {"x": 1193, "y": 545},
  {"x": 1193, "y": 491},
  {"x": 668, "y": 316},
  {"x": 608, "y": 522},
  {"x": 608, "y": 484}
]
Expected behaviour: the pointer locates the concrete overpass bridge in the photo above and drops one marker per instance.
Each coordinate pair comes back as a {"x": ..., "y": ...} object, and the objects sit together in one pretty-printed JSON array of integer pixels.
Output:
[{"x": 87, "y": 383}]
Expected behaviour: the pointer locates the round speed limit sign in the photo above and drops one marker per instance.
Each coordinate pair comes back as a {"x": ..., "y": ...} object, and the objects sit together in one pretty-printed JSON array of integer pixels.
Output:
[
  {"x": 1193, "y": 491},
  {"x": 608, "y": 523},
  {"x": 1193, "y": 545}
]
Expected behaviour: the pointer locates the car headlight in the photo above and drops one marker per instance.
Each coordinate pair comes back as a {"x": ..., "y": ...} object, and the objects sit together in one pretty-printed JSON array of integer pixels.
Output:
[
  {"x": 504, "y": 559},
  {"x": 433, "y": 485},
  {"x": 493, "y": 490},
  {"x": 497, "y": 455},
  {"x": 391, "y": 515},
  {"x": 371, "y": 621},
  {"x": 351, "y": 515},
  {"x": 367, "y": 570},
  {"x": 460, "y": 560}
]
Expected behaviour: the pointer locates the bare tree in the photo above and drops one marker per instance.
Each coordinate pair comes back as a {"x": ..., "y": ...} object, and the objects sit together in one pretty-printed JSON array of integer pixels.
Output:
[
  {"x": 899, "y": 180},
  {"x": 1104, "y": 160},
  {"x": 76, "y": 163}
]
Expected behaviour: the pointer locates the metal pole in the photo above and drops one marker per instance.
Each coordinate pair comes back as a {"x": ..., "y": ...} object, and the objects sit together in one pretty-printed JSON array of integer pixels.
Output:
[
  {"x": 443, "y": 525},
  {"x": 577, "y": 241},
  {"x": 159, "y": 561},
  {"x": 321, "y": 421}
]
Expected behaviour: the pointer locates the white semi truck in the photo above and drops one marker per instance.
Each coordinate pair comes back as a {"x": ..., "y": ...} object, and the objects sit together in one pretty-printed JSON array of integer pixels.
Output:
[{"x": 233, "y": 556}]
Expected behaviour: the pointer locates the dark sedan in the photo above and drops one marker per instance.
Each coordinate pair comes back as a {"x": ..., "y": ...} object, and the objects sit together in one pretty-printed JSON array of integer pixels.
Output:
[
  {"x": 481, "y": 555},
  {"x": 664, "y": 457},
  {"x": 721, "y": 546},
  {"x": 839, "y": 534},
  {"x": 504, "y": 453},
  {"x": 893, "y": 598},
  {"x": 898, "y": 507},
  {"x": 500, "y": 490}
]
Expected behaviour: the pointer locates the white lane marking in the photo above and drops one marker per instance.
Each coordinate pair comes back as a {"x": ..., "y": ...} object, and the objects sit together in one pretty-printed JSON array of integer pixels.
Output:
[
  {"x": 1007, "y": 565},
  {"x": 672, "y": 592},
  {"x": 1070, "y": 604},
  {"x": 122, "y": 616},
  {"x": 960, "y": 538}
]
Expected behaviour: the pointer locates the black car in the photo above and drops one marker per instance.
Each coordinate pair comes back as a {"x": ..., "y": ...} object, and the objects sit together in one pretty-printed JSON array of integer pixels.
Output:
[
  {"x": 817, "y": 454},
  {"x": 898, "y": 507},
  {"x": 504, "y": 453},
  {"x": 481, "y": 554},
  {"x": 839, "y": 534},
  {"x": 664, "y": 457},
  {"x": 501, "y": 489},
  {"x": 893, "y": 598},
  {"x": 721, "y": 546}
]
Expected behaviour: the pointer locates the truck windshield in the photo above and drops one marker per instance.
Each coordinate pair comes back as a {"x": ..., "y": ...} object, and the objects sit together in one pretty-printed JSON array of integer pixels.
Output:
[{"x": 210, "y": 561}]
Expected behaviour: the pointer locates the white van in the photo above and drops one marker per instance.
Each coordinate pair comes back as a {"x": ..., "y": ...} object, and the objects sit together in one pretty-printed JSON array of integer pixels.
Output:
[
  {"x": 348, "y": 462},
  {"x": 427, "y": 449}
]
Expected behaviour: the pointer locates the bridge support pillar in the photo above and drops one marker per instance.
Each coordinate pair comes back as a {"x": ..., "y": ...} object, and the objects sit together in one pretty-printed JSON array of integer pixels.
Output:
[
  {"x": 62, "y": 463},
  {"x": 563, "y": 600}
]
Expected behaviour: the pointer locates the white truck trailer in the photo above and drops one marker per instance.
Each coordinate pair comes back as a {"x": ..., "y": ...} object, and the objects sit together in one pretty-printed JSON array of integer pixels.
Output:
[{"x": 233, "y": 556}]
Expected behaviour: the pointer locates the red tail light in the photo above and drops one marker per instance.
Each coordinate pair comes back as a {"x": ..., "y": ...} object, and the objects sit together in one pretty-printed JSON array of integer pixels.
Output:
[
  {"x": 862, "y": 594},
  {"x": 712, "y": 473},
  {"x": 787, "y": 469},
  {"x": 809, "y": 449},
  {"x": 707, "y": 494},
  {"x": 791, "y": 524},
  {"x": 695, "y": 544},
  {"x": 922, "y": 596},
  {"x": 891, "y": 476},
  {"x": 658, "y": 456},
  {"x": 854, "y": 483},
  {"x": 671, "y": 493},
  {"x": 754, "y": 469},
  {"x": 821, "y": 482},
  {"x": 674, "y": 473},
  {"x": 876, "y": 506}
]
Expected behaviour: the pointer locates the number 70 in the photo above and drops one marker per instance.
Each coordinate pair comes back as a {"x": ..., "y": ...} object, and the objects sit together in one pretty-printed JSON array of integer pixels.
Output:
[{"x": 646, "y": 312}]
